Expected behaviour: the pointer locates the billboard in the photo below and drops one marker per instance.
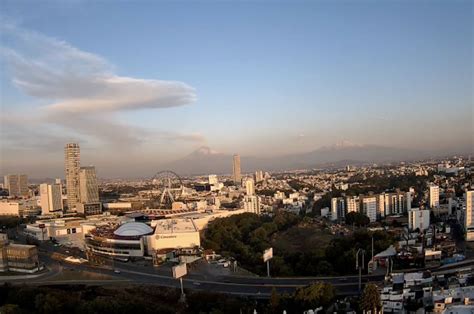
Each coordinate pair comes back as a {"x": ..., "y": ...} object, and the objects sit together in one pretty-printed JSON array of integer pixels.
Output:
[
  {"x": 179, "y": 270},
  {"x": 268, "y": 254}
]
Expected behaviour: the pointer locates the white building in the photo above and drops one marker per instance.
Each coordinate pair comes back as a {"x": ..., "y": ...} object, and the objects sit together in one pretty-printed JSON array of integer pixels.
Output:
[
  {"x": 173, "y": 234},
  {"x": 252, "y": 204},
  {"x": 88, "y": 187},
  {"x": 249, "y": 187},
  {"x": 337, "y": 208},
  {"x": 469, "y": 215},
  {"x": 381, "y": 205},
  {"x": 51, "y": 198},
  {"x": 258, "y": 176},
  {"x": 16, "y": 184},
  {"x": 434, "y": 196},
  {"x": 11, "y": 208},
  {"x": 418, "y": 219},
  {"x": 72, "y": 164},
  {"x": 213, "y": 179},
  {"x": 352, "y": 204},
  {"x": 369, "y": 207}
]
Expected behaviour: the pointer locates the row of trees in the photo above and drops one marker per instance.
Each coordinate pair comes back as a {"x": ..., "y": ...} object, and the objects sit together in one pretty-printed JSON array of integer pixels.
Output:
[
  {"x": 139, "y": 299},
  {"x": 246, "y": 236}
]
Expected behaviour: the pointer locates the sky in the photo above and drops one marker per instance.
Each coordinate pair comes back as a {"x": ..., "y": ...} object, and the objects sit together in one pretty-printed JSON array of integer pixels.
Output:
[{"x": 140, "y": 83}]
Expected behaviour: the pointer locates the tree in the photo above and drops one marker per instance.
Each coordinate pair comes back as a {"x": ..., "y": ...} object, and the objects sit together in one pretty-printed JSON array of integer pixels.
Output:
[
  {"x": 370, "y": 300},
  {"x": 317, "y": 294},
  {"x": 10, "y": 309},
  {"x": 274, "y": 300},
  {"x": 357, "y": 219}
]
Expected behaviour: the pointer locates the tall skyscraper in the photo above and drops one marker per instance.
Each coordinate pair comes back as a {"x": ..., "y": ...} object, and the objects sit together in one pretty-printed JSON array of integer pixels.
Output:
[
  {"x": 469, "y": 215},
  {"x": 236, "y": 170},
  {"x": 16, "y": 184},
  {"x": 51, "y": 200},
  {"x": 72, "y": 158},
  {"x": 89, "y": 189},
  {"x": 434, "y": 196}
]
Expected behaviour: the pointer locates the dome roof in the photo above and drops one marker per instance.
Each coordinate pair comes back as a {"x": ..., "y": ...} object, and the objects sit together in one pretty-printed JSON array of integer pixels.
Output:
[{"x": 133, "y": 229}]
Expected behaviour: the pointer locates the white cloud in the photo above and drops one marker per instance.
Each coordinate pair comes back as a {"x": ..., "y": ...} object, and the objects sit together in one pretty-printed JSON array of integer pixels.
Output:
[
  {"x": 77, "y": 86},
  {"x": 81, "y": 82}
]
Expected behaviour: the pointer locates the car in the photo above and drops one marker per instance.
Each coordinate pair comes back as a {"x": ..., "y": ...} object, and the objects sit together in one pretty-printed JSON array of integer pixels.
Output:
[{"x": 117, "y": 271}]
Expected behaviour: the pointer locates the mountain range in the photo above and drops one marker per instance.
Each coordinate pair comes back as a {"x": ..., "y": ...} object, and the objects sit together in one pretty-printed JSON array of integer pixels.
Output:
[{"x": 205, "y": 160}]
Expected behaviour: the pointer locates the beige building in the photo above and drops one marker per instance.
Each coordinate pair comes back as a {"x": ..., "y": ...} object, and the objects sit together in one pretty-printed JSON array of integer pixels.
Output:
[
  {"x": 51, "y": 198},
  {"x": 434, "y": 196},
  {"x": 237, "y": 175},
  {"x": 469, "y": 215},
  {"x": 19, "y": 258},
  {"x": 16, "y": 184},
  {"x": 89, "y": 190},
  {"x": 8, "y": 208},
  {"x": 72, "y": 163}
]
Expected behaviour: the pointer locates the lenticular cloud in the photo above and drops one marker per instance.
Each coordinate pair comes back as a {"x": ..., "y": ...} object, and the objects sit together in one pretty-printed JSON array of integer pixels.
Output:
[{"x": 81, "y": 82}]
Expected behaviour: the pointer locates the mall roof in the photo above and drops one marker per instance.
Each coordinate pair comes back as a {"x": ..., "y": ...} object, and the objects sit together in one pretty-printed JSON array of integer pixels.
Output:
[{"x": 133, "y": 229}]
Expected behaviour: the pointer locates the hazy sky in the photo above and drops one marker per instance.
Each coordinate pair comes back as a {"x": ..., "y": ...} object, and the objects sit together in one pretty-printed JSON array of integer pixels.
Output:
[{"x": 139, "y": 83}]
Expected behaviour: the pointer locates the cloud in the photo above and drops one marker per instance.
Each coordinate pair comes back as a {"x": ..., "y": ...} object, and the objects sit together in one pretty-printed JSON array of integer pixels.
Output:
[
  {"x": 81, "y": 94},
  {"x": 79, "y": 81}
]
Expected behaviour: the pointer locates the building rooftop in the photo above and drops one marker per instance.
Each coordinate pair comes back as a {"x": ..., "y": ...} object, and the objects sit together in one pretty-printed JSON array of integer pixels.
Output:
[
  {"x": 133, "y": 229},
  {"x": 167, "y": 226}
]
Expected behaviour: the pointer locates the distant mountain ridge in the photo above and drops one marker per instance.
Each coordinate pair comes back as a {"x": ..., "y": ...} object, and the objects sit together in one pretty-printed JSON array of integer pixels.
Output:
[{"x": 204, "y": 160}]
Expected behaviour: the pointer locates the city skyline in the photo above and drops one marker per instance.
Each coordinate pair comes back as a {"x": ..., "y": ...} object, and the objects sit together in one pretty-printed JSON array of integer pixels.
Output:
[{"x": 393, "y": 74}]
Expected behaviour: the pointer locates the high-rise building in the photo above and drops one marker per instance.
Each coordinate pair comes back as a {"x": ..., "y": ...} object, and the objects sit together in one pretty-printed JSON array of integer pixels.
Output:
[
  {"x": 469, "y": 215},
  {"x": 352, "y": 204},
  {"x": 381, "y": 205},
  {"x": 395, "y": 203},
  {"x": 51, "y": 200},
  {"x": 72, "y": 163},
  {"x": 418, "y": 219},
  {"x": 434, "y": 196},
  {"x": 338, "y": 210},
  {"x": 249, "y": 186},
  {"x": 16, "y": 184},
  {"x": 237, "y": 175},
  {"x": 252, "y": 204},
  {"x": 89, "y": 189},
  {"x": 369, "y": 207},
  {"x": 258, "y": 176}
]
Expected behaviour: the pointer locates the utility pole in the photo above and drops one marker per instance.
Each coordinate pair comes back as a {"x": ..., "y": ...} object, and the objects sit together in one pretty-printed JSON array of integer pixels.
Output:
[{"x": 360, "y": 266}]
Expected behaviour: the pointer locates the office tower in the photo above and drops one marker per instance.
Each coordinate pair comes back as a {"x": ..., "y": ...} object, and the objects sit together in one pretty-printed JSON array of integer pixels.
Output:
[
  {"x": 249, "y": 186},
  {"x": 434, "y": 196},
  {"x": 89, "y": 189},
  {"x": 72, "y": 165},
  {"x": 252, "y": 204},
  {"x": 469, "y": 215},
  {"x": 258, "y": 176},
  {"x": 16, "y": 184},
  {"x": 51, "y": 200},
  {"x": 213, "y": 179},
  {"x": 352, "y": 204},
  {"x": 418, "y": 219},
  {"x": 236, "y": 170},
  {"x": 337, "y": 208},
  {"x": 369, "y": 207}
]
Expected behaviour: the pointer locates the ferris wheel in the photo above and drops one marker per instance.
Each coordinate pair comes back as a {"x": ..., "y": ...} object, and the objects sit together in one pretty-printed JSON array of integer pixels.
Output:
[{"x": 170, "y": 188}]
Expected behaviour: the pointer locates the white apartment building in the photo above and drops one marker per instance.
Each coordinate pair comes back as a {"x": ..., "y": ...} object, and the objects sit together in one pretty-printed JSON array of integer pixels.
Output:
[
  {"x": 51, "y": 198},
  {"x": 252, "y": 204},
  {"x": 338, "y": 210},
  {"x": 249, "y": 187},
  {"x": 434, "y": 196},
  {"x": 418, "y": 219},
  {"x": 213, "y": 179},
  {"x": 352, "y": 204},
  {"x": 369, "y": 207},
  {"x": 16, "y": 184}
]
